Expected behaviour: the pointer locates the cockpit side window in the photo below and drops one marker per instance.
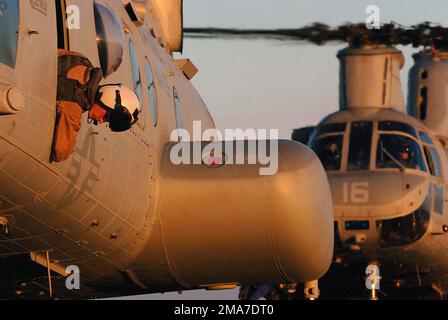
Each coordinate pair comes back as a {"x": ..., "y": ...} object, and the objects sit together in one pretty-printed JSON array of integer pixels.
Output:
[
  {"x": 360, "y": 146},
  {"x": 429, "y": 160},
  {"x": 136, "y": 78},
  {"x": 329, "y": 151},
  {"x": 397, "y": 126},
  {"x": 9, "y": 26},
  {"x": 436, "y": 161},
  {"x": 327, "y": 141},
  {"x": 425, "y": 137},
  {"x": 431, "y": 155},
  {"x": 398, "y": 151}
]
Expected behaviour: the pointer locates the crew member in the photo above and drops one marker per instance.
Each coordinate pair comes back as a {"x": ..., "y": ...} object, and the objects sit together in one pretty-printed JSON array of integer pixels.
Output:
[{"x": 78, "y": 92}]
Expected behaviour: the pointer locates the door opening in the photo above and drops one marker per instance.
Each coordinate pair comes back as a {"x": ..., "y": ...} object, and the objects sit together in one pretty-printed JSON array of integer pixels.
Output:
[{"x": 61, "y": 18}]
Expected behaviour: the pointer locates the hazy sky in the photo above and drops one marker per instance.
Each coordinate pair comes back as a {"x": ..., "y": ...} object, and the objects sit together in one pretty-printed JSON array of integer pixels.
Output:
[
  {"x": 268, "y": 84},
  {"x": 262, "y": 84}
]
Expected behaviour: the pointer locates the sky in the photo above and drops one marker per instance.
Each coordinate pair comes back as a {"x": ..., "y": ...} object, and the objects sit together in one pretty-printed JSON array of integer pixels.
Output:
[{"x": 268, "y": 84}]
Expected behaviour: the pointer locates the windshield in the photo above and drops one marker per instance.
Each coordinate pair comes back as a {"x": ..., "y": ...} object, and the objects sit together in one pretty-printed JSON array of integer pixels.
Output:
[
  {"x": 329, "y": 151},
  {"x": 360, "y": 144},
  {"x": 397, "y": 126},
  {"x": 9, "y": 25},
  {"x": 330, "y": 128},
  {"x": 397, "y": 151}
]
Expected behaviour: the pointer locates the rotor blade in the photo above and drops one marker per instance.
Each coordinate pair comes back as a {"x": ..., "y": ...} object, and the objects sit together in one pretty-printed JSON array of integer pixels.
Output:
[
  {"x": 424, "y": 34},
  {"x": 318, "y": 34}
]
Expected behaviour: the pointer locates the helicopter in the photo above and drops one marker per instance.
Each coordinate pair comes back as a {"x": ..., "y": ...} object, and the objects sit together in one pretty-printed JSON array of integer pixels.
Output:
[
  {"x": 119, "y": 217},
  {"x": 386, "y": 160},
  {"x": 387, "y": 163}
]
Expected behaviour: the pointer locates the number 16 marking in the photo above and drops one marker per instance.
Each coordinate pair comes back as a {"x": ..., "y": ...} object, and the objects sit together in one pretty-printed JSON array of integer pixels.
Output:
[{"x": 356, "y": 192}]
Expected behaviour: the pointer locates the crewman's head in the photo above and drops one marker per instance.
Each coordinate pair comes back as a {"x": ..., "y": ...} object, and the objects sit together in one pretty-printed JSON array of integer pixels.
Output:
[
  {"x": 405, "y": 153},
  {"x": 117, "y": 105}
]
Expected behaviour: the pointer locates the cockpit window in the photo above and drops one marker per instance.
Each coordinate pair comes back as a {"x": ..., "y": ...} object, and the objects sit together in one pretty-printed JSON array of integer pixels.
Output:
[
  {"x": 327, "y": 142},
  {"x": 110, "y": 39},
  {"x": 360, "y": 145},
  {"x": 436, "y": 160},
  {"x": 397, "y": 126},
  {"x": 329, "y": 151},
  {"x": 9, "y": 26},
  {"x": 331, "y": 128},
  {"x": 136, "y": 77},
  {"x": 433, "y": 161},
  {"x": 397, "y": 151},
  {"x": 425, "y": 137},
  {"x": 429, "y": 161}
]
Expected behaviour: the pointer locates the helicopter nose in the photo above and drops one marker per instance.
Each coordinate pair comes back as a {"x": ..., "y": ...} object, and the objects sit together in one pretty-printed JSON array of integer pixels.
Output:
[
  {"x": 368, "y": 205},
  {"x": 378, "y": 195}
]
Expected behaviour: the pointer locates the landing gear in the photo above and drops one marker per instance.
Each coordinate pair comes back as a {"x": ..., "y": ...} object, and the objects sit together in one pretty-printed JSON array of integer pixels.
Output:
[
  {"x": 290, "y": 288},
  {"x": 373, "y": 295},
  {"x": 439, "y": 290},
  {"x": 50, "y": 284},
  {"x": 311, "y": 290}
]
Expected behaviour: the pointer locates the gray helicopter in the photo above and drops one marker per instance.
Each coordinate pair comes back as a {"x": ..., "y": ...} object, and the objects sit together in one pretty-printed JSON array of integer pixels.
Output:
[{"x": 386, "y": 161}]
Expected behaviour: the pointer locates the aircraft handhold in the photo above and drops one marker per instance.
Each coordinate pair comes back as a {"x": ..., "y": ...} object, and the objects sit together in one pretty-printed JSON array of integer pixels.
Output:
[{"x": 187, "y": 67}]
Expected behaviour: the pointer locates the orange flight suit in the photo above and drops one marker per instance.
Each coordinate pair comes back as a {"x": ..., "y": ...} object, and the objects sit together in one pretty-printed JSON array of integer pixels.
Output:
[{"x": 78, "y": 81}]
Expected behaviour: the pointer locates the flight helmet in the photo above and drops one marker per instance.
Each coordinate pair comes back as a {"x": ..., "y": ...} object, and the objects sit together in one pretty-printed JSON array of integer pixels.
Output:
[{"x": 123, "y": 104}]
